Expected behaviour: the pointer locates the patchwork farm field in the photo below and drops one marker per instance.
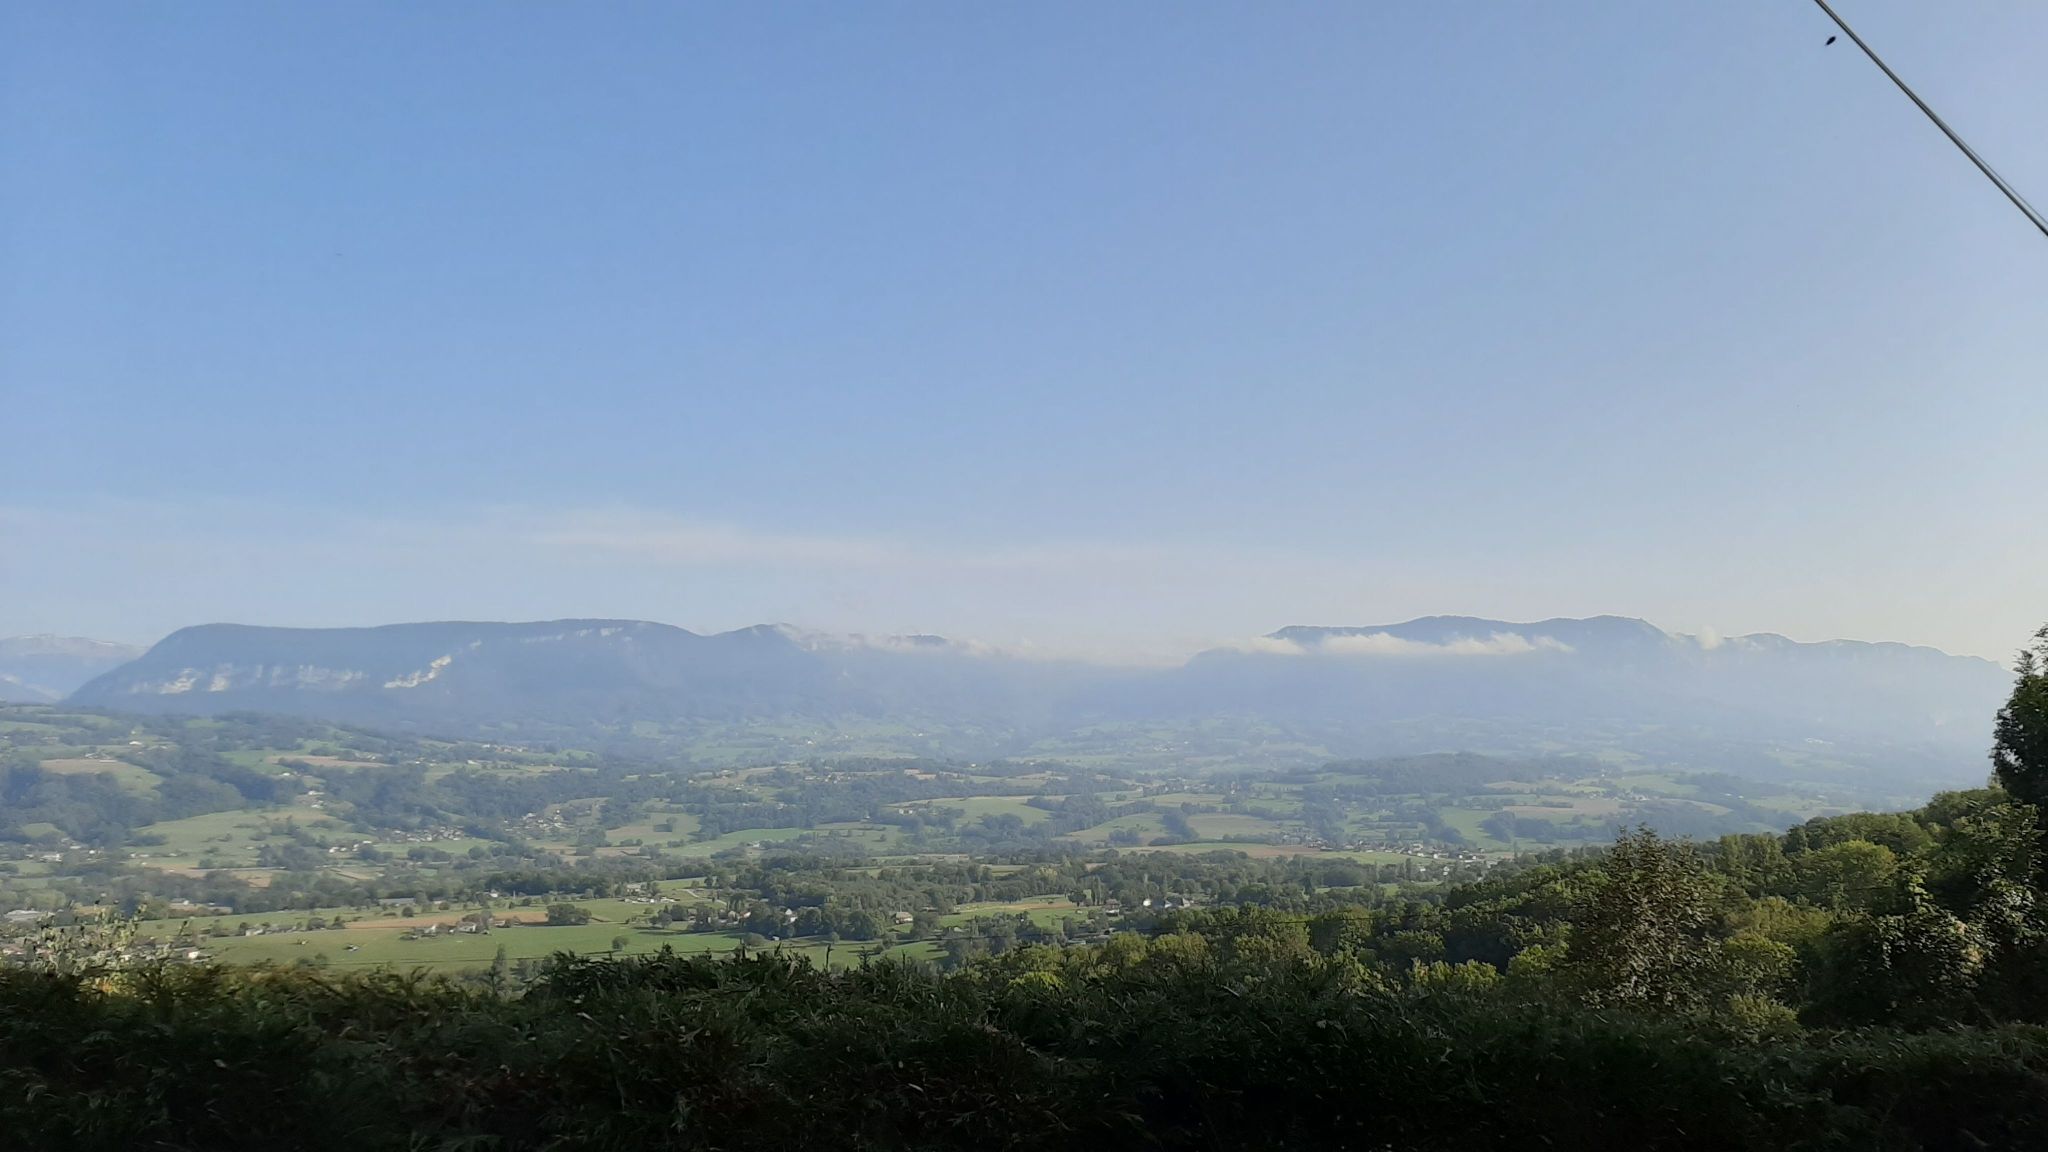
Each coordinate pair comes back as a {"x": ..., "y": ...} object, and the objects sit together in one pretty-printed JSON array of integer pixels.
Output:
[
  {"x": 378, "y": 946},
  {"x": 438, "y": 941},
  {"x": 270, "y": 817}
]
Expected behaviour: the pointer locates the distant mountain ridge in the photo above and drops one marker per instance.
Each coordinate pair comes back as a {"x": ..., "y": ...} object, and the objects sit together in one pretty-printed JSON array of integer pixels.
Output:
[
  {"x": 567, "y": 672},
  {"x": 1431, "y": 684},
  {"x": 1606, "y": 669},
  {"x": 1592, "y": 633},
  {"x": 45, "y": 669}
]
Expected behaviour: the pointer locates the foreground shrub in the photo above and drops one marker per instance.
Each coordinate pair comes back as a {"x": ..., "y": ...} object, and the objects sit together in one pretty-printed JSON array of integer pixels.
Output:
[{"x": 1047, "y": 1050}]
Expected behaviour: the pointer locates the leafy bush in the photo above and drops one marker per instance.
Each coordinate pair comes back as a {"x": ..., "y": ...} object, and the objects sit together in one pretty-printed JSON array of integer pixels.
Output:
[
  {"x": 1167, "y": 1043},
  {"x": 568, "y": 914}
]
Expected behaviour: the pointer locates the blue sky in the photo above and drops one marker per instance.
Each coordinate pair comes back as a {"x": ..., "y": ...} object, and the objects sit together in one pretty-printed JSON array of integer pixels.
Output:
[{"x": 1108, "y": 328}]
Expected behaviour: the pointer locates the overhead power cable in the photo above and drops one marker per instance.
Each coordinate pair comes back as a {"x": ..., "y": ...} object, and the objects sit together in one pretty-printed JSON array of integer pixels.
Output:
[{"x": 2011, "y": 193}]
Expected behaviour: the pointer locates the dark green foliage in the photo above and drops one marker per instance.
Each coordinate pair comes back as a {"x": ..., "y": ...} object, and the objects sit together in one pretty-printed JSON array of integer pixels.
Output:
[
  {"x": 1645, "y": 932},
  {"x": 1169, "y": 1046},
  {"x": 568, "y": 914},
  {"x": 1897, "y": 831},
  {"x": 2020, "y": 749}
]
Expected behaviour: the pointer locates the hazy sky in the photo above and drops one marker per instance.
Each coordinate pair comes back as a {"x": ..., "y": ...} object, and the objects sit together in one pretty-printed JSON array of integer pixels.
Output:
[{"x": 1118, "y": 328}]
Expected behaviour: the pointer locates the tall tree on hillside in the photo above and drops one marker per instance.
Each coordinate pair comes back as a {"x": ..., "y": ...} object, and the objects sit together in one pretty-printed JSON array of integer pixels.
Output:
[
  {"x": 2019, "y": 754},
  {"x": 1644, "y": 932}
]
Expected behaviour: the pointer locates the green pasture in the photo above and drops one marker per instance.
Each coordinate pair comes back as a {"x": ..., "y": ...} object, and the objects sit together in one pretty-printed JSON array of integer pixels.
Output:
[
  {"x": 131, "y": 778},
  {"x": 230, "y": 835},
  {"x": 1045, "y": 911},
  {"x": 1467, "y": 821},
  {"x": 1223, "y": 825},
  {"x": 1144, "y": 823},
  {"x": 975, "y": 807},
  {"x": 739, "y": 839},
  {"x": 1176, "y": 799}
]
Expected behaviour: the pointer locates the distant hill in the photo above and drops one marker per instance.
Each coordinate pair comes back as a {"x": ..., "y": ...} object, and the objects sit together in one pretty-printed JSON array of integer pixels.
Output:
[
  {"x": 1759, "y": 705},
  {"x": 44, "y": 669},
  {"x": 579, "y": 675},
  {"x": 1742, "y": 704},
  {"x": 1615, "y": 667}
]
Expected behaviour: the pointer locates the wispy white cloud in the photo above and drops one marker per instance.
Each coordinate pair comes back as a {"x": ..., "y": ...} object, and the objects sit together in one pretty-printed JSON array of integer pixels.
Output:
[
  {"x": 1388, "y": 644},
  {"x": 813, "y": 638},
  {"x": 1266, "y": 646}
]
